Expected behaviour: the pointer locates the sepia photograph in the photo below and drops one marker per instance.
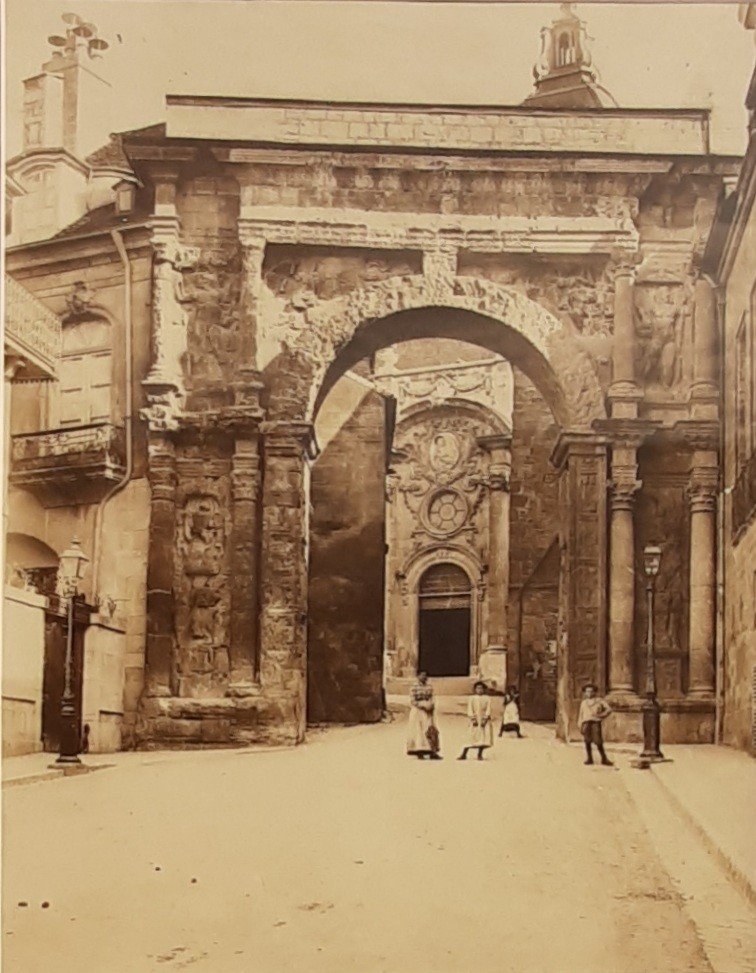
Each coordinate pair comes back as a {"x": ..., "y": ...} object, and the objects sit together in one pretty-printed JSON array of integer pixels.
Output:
[{"x": 380, "y": 389}]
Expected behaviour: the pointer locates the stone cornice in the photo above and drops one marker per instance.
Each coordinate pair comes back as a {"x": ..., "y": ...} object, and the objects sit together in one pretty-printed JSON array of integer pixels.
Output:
[
  {"x": 576, "y": 442},
  {"x": 306, "y": 157},
  {"x": 698, "y": 434},
  {"x": 432, "y": 231},
  {"x": 283, "y": 438},
  {"x": 628, "y": 433}
]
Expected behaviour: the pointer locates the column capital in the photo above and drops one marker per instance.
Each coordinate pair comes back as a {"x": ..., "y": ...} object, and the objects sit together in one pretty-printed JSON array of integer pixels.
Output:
[
  {"x": 576, "y": 442},
  {"x": 627, "y": 433},
  {"x": 622, "y": 492},
  {"x": 245, "y": 469},
  {"x": 699, "y": 435},
  {"x": 624, "y": 263},
  {"x": 289, "y": 438},
  {"x": 161, "y": 469},
  {"x": 702, "y": 490},
  {"x": 250, "y": 235},
  {"x": 496, "y": 443}
]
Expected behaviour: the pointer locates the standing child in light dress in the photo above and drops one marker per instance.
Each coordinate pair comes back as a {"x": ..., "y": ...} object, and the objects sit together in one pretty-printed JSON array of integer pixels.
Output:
[
  {"x": 510, "y": 717},
  {"x": 481, "y": 728}
]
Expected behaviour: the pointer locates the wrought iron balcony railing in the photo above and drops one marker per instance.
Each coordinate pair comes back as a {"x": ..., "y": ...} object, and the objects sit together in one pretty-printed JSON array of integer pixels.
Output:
[
  {"x": 744, "y": 497},
  {"x": 76, "y": 464},
  {"x": 32, "y": 331}
]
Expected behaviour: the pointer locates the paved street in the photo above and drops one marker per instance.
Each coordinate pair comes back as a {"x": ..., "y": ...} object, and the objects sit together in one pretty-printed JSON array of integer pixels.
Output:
[{"x": 345, "y": 856}]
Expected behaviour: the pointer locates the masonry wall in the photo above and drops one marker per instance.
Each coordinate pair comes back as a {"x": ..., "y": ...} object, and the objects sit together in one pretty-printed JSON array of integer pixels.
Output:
[
  {"x": 23, "y": 658},
  {"x": 347, "y": 564},
  {"x": 739, "y": 543}
]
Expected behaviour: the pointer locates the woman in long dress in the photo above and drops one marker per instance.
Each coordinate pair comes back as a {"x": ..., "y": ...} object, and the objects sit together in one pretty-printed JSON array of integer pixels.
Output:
[
  {"x": 481, "y": 727},
  {"x": 422, "y": 739}
]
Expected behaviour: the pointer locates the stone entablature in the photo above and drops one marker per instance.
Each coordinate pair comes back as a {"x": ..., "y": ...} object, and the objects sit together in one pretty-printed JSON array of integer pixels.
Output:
[
  {"x": 481, "y": 128},
  {"x": 313, "y": 226}
]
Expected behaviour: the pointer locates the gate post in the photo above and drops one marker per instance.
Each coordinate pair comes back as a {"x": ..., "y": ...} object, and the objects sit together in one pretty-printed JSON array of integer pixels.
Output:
[{"x": 581, "y": 460}]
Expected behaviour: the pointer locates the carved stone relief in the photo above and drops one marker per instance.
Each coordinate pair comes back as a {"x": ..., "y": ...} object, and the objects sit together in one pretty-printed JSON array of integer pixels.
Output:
[
  {"x": 662, "y": 328},
  {"x": 582, "y": 292},
  {"x": 202, "y": 575},
  {"x": 326, "y": 276},
  {"x": 215, "y": 320},
  {"x": 442, "y": 474}
]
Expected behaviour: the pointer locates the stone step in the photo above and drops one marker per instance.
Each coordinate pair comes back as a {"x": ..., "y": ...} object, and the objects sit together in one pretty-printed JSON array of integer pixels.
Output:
[{"x": 442, "y": 686}]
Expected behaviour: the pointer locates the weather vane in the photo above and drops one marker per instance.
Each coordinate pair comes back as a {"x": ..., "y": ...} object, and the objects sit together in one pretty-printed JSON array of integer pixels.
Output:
[{"x": 79, "y": 33}]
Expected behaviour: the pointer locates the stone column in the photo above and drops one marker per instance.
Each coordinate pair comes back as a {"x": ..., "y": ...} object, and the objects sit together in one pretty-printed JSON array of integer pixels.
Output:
[
  {"x": 159, "y": 661},
  {"x": 245, "y": 538},
  {"x": 621, "y": 581},
  {"x": 283, "y": 575},
  {"x": 702, "y": 494},
  {"x": 703, "y": 393},
  {"x": 500, "y": 470},
  {"x": 253, "y": 251},
  {"x": 623, "y": 392}
]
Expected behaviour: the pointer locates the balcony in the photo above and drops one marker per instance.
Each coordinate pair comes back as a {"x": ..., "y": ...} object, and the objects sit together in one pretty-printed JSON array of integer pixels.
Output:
[
  {"x": 74, "y": 465},
  {"x": 32, "y": 332},
  {"x": 744, "y": 498}
]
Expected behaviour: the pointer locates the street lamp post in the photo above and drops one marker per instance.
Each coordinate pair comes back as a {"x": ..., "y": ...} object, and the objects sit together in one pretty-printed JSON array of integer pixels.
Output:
[
  {"x": 72, "y": 564},
  {"x": 650, "y": 708}
]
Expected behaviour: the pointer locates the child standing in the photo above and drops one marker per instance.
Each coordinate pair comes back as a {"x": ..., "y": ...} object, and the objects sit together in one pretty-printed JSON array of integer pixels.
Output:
[
  {"x": 593, "y": 711},
  {"x": 481, "y": 728},
  {"x": 510, "y": 717}
]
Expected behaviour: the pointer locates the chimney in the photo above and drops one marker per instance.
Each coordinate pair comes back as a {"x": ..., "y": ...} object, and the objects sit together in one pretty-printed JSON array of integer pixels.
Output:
[{"x": 68, "y": 105}]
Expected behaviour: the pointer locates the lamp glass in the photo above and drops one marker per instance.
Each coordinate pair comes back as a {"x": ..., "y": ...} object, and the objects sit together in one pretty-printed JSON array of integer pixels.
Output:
[
  {"x": 651, "y": 559},
  {"x": 73, "y": 562}
]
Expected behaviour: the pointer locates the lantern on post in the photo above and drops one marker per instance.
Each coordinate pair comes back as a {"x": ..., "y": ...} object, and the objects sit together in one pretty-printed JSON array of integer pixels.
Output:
[
  {"x": 650, "y": 709},
  {"x": 73, "y": 562}
]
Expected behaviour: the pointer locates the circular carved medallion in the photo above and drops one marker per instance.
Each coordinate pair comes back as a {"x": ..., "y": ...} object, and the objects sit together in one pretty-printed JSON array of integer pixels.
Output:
[
  {"x": 444, "y": 452},
  {"x": 446, "y": 512}
]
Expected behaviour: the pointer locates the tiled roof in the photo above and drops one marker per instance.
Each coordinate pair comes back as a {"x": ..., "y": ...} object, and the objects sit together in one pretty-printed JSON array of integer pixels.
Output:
[
  {"x": 104, "y": 218},
  {"x": 112, "y": 155}
]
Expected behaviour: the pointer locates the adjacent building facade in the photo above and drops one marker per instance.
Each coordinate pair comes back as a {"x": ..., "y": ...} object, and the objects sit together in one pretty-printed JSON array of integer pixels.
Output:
[
  {"x": 292, "y": 498},
  {"x": 731, "y": 261}
]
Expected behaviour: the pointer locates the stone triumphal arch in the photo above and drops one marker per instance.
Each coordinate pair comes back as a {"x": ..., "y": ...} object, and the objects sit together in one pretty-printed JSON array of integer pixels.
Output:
[{"x": 562, "y": 241}]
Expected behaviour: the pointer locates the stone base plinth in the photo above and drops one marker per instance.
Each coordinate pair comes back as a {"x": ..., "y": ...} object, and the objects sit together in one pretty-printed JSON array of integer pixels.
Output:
[
  {"x": 492, "y": 666},
  {"x": 166, "y": 722},
  {"x": 682, "y": 721}
]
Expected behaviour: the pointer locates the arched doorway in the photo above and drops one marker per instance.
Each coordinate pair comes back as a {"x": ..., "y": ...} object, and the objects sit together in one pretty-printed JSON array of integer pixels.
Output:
[{"x": 444, "y": 623}]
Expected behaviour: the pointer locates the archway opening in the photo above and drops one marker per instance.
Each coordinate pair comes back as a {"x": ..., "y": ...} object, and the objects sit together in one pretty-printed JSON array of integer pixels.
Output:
[
  {"x": 457, "y": 324},
  {"x": 411, "y": 491},
  {"x": 444, "y": 621}
]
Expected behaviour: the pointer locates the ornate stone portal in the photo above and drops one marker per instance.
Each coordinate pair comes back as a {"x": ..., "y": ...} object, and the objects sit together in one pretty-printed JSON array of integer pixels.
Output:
[{"x": 448, "y": 504}]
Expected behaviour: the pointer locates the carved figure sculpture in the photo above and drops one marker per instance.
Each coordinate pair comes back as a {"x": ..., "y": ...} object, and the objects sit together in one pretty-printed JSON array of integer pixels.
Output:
[{"x": 203, "y": 536}]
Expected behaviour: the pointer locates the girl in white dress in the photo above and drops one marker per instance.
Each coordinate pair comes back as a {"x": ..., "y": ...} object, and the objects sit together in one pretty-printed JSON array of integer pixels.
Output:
[{"x": 481, "y": 728}]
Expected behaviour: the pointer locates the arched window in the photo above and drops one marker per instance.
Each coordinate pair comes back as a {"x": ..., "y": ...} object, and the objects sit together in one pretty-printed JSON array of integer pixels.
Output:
[
  {"x": 31, "y": 560},
  {"x": 565, "y": 50},
  {"x": 86, "y": 374},
  {"x": 444, "y": 604}
]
